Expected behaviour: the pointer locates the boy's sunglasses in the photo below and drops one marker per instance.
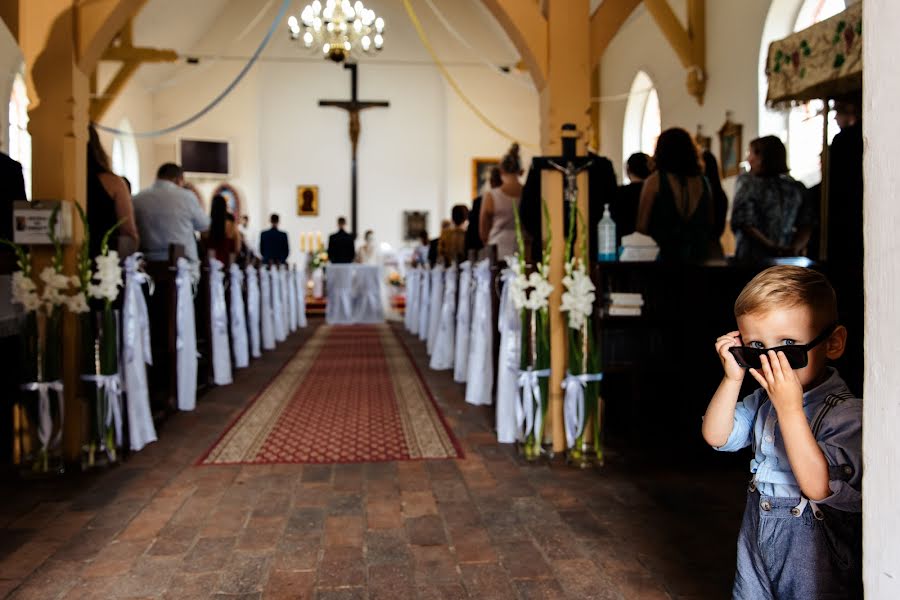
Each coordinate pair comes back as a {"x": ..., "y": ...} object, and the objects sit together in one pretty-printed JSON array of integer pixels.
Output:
[{"x": 749, "y": 357}]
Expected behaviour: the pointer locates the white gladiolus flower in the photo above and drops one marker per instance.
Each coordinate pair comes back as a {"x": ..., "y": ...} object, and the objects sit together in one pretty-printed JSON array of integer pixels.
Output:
[
  {"x": 24, "y": 292},
  {"x": 108, "y": 277},
  {"x": 578, "y": 299},
  {"x": 77, "y": 303}
]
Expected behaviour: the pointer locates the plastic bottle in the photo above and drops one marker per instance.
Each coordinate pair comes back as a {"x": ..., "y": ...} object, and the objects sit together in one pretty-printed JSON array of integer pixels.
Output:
[{"x": 606, "y": 237}]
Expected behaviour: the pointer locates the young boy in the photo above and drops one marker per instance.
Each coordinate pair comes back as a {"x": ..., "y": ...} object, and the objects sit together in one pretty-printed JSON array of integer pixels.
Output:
[{"x": 801, "y": 534}]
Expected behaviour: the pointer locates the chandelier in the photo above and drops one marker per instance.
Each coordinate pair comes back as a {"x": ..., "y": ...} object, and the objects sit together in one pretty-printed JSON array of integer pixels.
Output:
[{"x": 339, "y": 29}]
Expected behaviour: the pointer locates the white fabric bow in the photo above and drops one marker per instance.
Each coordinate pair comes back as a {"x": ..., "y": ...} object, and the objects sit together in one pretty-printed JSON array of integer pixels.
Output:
[
  {"x": 238, "y": 324},
  {"x": 253, "y": 310},
  {"x": 573, "y": 405},
  {"x": 111, "y": 385},
  {"x": 186, "y": 337},
  {"x": 221, "y": 352},
  {"x": 136, "y": 320},
  {"x": 529, "y": 413},
  {"x": 137, "y": 351},
  {"x": 45, "y": 421}
]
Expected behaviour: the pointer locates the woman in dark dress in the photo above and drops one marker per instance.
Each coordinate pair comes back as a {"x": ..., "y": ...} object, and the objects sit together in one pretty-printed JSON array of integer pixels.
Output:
[
  {"x": 223, "y": 237},
  {"x": 108, "y": 199},
  {"x": 676, "y": 206}
]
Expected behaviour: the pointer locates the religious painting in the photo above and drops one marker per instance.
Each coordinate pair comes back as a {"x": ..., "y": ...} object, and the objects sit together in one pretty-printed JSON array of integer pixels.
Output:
[
  {"x": 414, "y": 223},
  {"x": 481, "y": 173},
  {"x": 308, "y": 200},
  {"x": 730, "y": 147}
]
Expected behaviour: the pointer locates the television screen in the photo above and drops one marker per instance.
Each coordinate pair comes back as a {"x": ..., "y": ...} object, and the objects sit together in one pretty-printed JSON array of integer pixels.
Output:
[{"x": 204, "y": 156}]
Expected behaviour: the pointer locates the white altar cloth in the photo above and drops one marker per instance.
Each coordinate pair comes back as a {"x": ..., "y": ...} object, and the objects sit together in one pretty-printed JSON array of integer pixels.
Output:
[{"x": 354, "y": 294}]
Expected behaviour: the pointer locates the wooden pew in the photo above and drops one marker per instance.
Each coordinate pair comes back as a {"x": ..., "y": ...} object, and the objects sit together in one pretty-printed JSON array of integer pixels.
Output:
[
  {"x": 162, "y": 309},
  {"x": 202, "y": 313}
]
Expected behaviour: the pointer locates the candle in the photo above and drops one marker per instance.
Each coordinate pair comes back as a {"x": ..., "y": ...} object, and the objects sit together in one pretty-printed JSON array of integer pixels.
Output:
[
  {"x": 312, "y": 246},
  {"x": 319, "y": 238},
  {"x": 302, "y": 243}
]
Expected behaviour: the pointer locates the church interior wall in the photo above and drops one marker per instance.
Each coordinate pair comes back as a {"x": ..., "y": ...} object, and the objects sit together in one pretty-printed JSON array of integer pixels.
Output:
[{"x": 10, "y": 65}]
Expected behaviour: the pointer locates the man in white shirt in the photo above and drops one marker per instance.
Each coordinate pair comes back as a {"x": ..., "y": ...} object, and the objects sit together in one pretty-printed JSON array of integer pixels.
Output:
[{"x": 167, "y": 213}]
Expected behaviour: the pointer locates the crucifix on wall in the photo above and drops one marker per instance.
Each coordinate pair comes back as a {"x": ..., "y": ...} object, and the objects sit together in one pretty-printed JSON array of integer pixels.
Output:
[{"x": 353, "y": 106}]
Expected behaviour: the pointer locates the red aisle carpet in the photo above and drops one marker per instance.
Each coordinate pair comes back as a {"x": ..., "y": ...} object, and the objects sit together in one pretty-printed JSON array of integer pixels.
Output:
[{"x": 351, "y": 394}]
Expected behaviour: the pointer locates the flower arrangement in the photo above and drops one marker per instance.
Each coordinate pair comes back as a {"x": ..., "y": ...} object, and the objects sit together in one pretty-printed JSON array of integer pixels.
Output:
[
  {"x": 582, "y": 381},
  {"x": 42, "y": 340},
  {"x": 396, "y": 279},
  {"x": 319, "y": 258},
  {"x": 530, "y": 295}
]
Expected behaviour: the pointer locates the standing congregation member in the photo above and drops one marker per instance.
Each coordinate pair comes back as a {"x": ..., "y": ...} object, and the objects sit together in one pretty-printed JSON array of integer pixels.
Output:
[
  {"x": 167, "y": 213},
  {"x": 473, "y": 237},
  {"x": 801, "y": 535},
  {"x": 452, "y": 243},
  {"x": 223, "y": 238},
  {"x": 13, "y": 189},
  {"x": 497, "y": 223},
  {"x": 108, "y": 199},
  {"x": 624, "y": 208},
  {"x": 340, "y": 244},
  {"x": 273, "y": 243}
]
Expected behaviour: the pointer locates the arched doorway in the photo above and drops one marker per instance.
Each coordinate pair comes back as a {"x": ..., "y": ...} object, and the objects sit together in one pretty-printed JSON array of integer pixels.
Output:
[{"x": 643, "y": 119}]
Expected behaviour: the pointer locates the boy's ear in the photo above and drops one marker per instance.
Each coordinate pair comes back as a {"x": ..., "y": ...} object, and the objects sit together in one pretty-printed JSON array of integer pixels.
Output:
[{"x": 836, "y": 343}]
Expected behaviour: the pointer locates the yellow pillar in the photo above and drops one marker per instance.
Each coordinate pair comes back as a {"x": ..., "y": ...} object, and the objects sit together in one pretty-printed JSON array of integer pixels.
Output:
[{"x": 566, "y": 98}]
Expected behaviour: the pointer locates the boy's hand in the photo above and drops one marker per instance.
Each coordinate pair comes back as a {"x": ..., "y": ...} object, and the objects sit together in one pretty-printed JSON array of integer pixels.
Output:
[
  {"x": 733, "y": 370},
  {"x": 780, "y": 382}
]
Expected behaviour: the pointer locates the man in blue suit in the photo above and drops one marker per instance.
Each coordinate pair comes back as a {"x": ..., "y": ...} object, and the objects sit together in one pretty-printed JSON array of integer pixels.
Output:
[
  {"x": 340, "y": 245},
  {"x": 273, "y": 244}
]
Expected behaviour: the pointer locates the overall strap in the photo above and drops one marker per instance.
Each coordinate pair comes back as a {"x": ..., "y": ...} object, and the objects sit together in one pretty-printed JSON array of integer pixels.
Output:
[{"x": 831, "y": 401}]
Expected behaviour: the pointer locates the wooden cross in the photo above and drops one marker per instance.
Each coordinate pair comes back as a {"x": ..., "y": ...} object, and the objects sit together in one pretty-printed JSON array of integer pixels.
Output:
[{"x": 353, "y": 107}]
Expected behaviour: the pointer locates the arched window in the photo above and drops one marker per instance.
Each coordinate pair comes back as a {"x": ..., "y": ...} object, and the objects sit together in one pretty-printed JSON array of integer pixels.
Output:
[
  {"x": 125, "y": 159},
  {"x": 19, "y": 138},
  {"x": 643, "y": 121},
  {"x": 801, "y": 126}
]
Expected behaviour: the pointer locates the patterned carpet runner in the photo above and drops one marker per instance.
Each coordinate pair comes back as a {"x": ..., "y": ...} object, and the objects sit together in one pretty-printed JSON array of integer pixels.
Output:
[{"x": 351, "y": 394}]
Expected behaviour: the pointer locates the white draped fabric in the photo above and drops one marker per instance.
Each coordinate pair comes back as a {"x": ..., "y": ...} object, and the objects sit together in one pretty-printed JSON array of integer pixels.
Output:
[
  {"x": 218, "y": 314},
  {"x": 253, "y": 312},
  {"x": 434, "y": 310},
  {"x": 442, "y": 355},
  {"x": 339, "y": 309},
  {"x": 424, "y": 304},
  {"x": 267, "y": 313},
  {"x": 510, "y": 328},
  {"x": 481, "y": 362},
  {"x": 300, "y": 290},
  {"x": 463, "y": 323},
  {"x": 354, "y": 294},
  {"x": 238, "y": 322},
  {"x": 277, "y": 304},
  {"x": 136, "y": 355},
  {"x": 291, "y": 285},
  {"x": 412, "y": 301},
  {"x": 318, "y": 278},
  {"x": 186, "y": 336},
  {"x": 284, "y": 282},
  {"x": 573, "y": 403}
]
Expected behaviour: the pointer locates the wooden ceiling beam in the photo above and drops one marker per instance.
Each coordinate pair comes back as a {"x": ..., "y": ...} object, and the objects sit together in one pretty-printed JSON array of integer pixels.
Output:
[
  {"x": 101, "y": 104},
  {"x": 688, "y": 43}
]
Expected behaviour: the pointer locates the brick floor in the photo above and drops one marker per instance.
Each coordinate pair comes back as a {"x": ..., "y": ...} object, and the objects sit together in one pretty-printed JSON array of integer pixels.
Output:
[{"x": 486, "y": 526}]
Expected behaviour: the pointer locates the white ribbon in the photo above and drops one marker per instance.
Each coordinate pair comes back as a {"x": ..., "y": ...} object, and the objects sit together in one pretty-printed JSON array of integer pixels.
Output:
[
  {"x": 318, "y": 278},
  {"x": 300, "y": 275},
  {"x": 291, "y": 284},
  {"x": 136, "y": 352},
  {"x": 111, "y": 386},
  {"x": 529, "y": 413},
  {"x": 238, "y": 324},
  {"x": 45, "y": 420},
  {"x": 218, "y": 314},
  {"x": 266, "y": 311},
  {"x": 285, "y": 299},
  {"x": 253, "y": 310},
  {"x": 480, "y": 374},
  {"x": 186, "y": 336},
  {"x": 509, "y": 325},
  {"x": 434, "y": 310},
  {"x": 573, "y": 405},
  {"x": 443, "y": 353},
  {"x": 412, "y": 302},
  {"x": 424, "y": 304},
  {"x": 463, "y": 323},
  {"x": 277, "y": 304}
]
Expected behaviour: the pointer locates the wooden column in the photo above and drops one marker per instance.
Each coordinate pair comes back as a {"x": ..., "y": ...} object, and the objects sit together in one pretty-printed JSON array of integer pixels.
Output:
[{"x": 565, "y": 99}]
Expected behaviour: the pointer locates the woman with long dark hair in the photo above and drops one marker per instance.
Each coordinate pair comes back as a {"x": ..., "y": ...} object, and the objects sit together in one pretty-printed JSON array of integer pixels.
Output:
[
  {"x": 222, "y": 237},
  {"x": 676, "y": 206},
  {"x": 108, "y": 199},
  {"x": 769, "y": 217},
  {"x": 496, "y": 222}
]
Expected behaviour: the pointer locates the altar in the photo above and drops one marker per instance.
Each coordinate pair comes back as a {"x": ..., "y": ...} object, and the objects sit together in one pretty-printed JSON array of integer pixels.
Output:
[{"x": 354, "y": 294}]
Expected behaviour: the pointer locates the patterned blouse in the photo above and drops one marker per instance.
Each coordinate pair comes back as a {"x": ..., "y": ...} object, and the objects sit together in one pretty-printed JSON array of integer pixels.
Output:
[{"x": 774, "y": 205}]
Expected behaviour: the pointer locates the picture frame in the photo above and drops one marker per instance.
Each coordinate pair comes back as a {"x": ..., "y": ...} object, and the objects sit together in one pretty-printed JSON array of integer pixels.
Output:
[
  {"x": 481, "y": 173},
  {"x": 308, "y": 200},
  {"x": 414, "y": 223},
  {"x": 731, "y": 146}
]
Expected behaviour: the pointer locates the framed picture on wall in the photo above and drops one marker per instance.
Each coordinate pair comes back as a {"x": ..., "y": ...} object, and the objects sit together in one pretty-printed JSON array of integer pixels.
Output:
[
  {"x": 308, "y": 200},
  {"x": 414, "y": 223},
  {"x": 481, "y": 173},
  {"x": 730, "y": 147}
]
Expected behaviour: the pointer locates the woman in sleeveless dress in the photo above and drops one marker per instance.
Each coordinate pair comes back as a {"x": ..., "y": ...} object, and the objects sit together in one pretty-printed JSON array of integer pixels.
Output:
[
  {"x": 676, "y": 206},
  {"x": 497, "y": 223},
  {"x": 108, "y": 199}
]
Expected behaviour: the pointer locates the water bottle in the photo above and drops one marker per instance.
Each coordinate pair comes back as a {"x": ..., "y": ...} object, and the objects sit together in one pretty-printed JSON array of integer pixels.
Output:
[{"x": 606, "y": 237}]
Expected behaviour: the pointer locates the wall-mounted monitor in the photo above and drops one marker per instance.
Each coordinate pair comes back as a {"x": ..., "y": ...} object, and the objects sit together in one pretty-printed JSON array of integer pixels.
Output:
[{"x": 209, "y": 158}]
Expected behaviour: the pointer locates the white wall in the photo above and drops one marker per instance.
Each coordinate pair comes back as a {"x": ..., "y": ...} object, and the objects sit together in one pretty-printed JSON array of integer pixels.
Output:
[
  {"x": 733, "y": 28},
  {"x": 881, "y": 479},
  {"x": 10, "y": 65}
]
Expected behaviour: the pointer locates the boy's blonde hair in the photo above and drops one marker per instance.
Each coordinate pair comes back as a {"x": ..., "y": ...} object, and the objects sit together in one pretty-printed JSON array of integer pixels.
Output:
[{"x": 787, "y": 287}]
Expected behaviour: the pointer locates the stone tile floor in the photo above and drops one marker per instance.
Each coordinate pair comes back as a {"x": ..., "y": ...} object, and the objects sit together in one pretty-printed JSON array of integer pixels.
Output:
[{"x": 486, "y": 526}]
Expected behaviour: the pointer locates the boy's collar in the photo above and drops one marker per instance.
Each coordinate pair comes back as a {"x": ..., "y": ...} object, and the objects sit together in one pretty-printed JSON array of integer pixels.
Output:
[{"x": 831, "y": 383}]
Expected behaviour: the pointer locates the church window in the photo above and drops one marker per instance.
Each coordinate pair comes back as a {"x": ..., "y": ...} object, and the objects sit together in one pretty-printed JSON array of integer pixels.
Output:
[
  {"x": 125, "y": 159},
  {"x": 19, "y": 138},
  {"x": 643, "y": 120}
]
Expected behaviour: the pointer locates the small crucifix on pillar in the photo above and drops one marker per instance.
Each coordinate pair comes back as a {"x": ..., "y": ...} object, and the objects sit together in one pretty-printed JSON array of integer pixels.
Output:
[{"x": 353, "y": 108}]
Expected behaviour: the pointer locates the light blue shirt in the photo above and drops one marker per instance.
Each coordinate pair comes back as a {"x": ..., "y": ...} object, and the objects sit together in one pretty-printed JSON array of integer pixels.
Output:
[
  {"x": 839, "y": 437},
  {"x": 168, "y": 214}
]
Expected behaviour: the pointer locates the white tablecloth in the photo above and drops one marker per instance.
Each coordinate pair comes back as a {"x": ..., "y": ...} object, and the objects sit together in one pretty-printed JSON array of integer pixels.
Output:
[{"x": 354, "y": 294}]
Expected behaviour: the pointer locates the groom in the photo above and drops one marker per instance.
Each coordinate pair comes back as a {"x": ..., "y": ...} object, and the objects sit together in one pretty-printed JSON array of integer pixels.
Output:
[{"x": 340, "y": 245}]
